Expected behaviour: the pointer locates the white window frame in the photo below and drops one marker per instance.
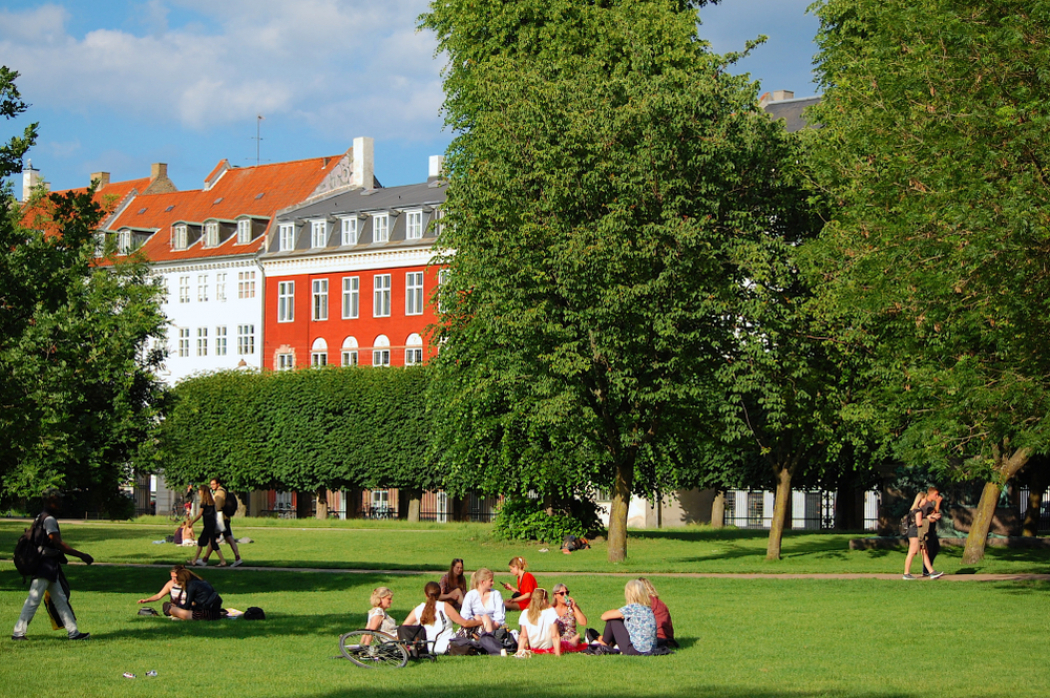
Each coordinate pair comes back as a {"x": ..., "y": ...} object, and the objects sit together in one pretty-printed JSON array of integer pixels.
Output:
[
  {"x": 414, "y": 225},
  {"x": 202, "y": 341},
  {"x": 182, "y": 237},
  {"x": 202, "y": 287},
  {"x": 381, "y": 351},
  {"x": 349, "y": 230},
  {"x": 245, "y": 340},
  {"x": 184, "y": 342},
  {"x": 351, "y": 297},
  {"x": 380, "y": 227},
  {"x": 318, "y": 233},
  {"x": 211, "y": 234},
  {"x": 220, "y": 340},
  {"x": 319, "y": 292},
  {"x": 413, "y": 356},
  {"x": 285, "y": 362},
  {"x": 286, "y": 301},
  {"x": 124, "y": 242},
  {"x": 244, "y": 231},
  {"x": 414, "y": 293},
  {"x": 349, "y": 352},
  {"x": 220, "y": 287},
  {"x": 246, "y": 284},
  {"x": 184, "y": 289},
  {"x": 381, "y": 285},
  {"x": 286, "y": 237}
]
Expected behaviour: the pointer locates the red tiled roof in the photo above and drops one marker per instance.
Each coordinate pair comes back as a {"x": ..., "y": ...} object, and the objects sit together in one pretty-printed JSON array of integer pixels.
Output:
[{"x": 108, "y": 196}]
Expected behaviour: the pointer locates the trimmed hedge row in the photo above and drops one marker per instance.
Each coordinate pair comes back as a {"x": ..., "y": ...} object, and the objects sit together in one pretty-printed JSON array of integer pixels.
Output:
[{"x": 304, "y": 430}]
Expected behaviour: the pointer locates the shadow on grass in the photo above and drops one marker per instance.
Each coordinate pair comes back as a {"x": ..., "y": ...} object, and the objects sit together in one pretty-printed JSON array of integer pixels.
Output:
[{"x": 554, "y": 689}]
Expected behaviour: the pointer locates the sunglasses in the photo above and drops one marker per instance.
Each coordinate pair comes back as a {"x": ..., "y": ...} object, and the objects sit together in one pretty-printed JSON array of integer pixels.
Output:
[{"x": 562, "y": 593}]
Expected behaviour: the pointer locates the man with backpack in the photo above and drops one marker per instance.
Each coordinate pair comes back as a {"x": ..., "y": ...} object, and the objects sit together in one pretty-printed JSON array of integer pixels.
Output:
[
  {"x": 225, "y": 506},
  {"x": 47, "y": 575}
]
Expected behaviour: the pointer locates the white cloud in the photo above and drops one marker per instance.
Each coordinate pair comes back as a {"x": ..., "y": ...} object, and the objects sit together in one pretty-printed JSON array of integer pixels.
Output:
[{"x": 344, "y": 66}]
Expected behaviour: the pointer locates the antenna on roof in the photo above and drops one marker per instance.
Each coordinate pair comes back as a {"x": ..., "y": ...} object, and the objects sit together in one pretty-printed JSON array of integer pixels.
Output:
[{"x": 258, "y": 136}]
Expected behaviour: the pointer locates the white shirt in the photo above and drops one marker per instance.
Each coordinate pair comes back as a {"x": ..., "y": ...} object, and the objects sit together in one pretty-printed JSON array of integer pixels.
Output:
[
  {"x": 474, "y": 607},
  {"x": 540, "y": 633},
  {"x": 440, "y": 631}
]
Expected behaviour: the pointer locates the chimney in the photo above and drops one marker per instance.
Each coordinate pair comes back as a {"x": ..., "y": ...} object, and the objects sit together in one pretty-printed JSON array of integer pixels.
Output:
[
  {"x": 364, "y": 163},
  {"x": 158, "y": 170},
  {"x": 781, "y": 95},
  {"x": 437, "y": 164},
  {"x": 101, "y": 177},
  {"x": 30, "y": 180}
]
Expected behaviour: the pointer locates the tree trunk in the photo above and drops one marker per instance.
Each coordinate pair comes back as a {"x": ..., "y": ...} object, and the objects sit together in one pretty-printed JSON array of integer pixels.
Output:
[
  {"x": 781, "y": 507},
  {"x": 621, "y": 500},
  {"x": 242, "y": 504},
  {"x": 1036, "y": 487},
  {"x": 303, "y": 503},
  {"x": 718, "y": 510},
  {"x": 414, "y": 498},
  {"x": 322, "y": 503},
  {"x": 982, "y": 518}
]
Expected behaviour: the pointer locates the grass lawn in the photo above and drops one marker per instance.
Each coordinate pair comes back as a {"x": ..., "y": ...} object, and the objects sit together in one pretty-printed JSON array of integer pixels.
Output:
[
  {"x": 397, "y": 545},
  {"x": 741, "y": 638}
]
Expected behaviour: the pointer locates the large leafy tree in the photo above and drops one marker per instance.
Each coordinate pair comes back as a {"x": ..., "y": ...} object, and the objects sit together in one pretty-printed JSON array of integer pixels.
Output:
[
  {"x": 611, "y": 186},
  {"x": 935, "y": 147},
  {"x": 77, "y": 393}
]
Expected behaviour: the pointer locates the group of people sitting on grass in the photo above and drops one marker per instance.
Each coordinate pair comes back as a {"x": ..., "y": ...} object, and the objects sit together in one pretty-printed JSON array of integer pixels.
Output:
[{"x": 550, "y": 623}]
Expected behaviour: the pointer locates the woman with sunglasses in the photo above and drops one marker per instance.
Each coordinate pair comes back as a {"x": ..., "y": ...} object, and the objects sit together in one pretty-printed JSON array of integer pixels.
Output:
[{"x": 570, "y": 619}]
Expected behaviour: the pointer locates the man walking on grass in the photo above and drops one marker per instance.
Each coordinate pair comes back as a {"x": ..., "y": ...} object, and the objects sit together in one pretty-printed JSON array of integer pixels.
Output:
[
  {"x": 49, "y": 576},
  {"x": 218, "y": 493}
]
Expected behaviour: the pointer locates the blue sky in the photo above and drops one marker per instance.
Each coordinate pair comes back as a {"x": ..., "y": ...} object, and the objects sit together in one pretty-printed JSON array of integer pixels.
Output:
[{"x": 119, "y": 84}]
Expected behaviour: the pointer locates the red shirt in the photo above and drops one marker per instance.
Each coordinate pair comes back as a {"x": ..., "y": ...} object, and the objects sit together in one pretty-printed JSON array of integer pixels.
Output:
[
  {"x": 664, "y": 629},
  {"x": 526, "y": 585}
]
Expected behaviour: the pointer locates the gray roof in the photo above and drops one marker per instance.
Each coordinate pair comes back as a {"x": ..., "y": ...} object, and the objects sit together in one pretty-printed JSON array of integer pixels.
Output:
[{"x": 790, "y": 110}]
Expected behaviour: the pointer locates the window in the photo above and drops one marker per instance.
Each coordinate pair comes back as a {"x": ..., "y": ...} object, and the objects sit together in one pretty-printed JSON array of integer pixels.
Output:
[
  {"x": 319, "y": 353},
  {"x": 381, "y": 227},
  {"x": 202, "y": 341},
  {"x": 220, "y": 340},
  {"x": 286, "y": 239},
  {"x": 381, "y": 503},
  {"x": 318, "y": 233},
  {"x": 202, "y": 287},
  {"x": 349, "y": 352},
  {"x": 351, "y": 296},
  {"x": 413, "y": 350},
  {"x": 413, "y": 225},
  {"x": 181, "y": 237},
  {"x": 320, "y": 294},
  {"x": 245, "y": 339},
  {"x": 211, "y": 234},
  {"x": 244, "y": 231},
  {"x": 124, "y": 242},
  {"x": 220, "y": 287},
  {"x": 285, "y": 362},
  {"x": 755, "y": 509},
  {"x": 286, "y": 301},
  {"x": 381, "y": 298},
  {"x": 246, "y": 284},
  {"x": 350, "y": 230},
  {"x": 184, "y": 289},
  {"x": 381, "y": 351},
  {"x": 414, "y": 293},
  {"x": 184, "y": 341}
]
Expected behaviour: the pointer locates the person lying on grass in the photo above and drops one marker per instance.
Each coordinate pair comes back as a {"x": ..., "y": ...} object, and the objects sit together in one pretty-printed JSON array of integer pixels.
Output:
[
  {"x": 632, "y": 628},
  {"x": 201, "y": 602},
  {"x": 439, "y": 618},
  {"x": 172, "y": 588}
]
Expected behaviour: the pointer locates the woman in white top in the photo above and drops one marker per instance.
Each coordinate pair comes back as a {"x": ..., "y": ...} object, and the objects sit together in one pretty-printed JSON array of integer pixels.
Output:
[
  {"x": 378, "y": 618},
  {"x": 540, "y": 631},
  {"x": 483, "y": 602},
  {"x": 178, "y": 594},
  {"x": 438, "y": 617}
]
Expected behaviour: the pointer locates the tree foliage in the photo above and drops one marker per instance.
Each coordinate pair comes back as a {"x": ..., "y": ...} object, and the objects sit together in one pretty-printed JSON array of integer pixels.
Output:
[
  {"x": 934, "y": 148},
  {"x": 611, "y": 186}
]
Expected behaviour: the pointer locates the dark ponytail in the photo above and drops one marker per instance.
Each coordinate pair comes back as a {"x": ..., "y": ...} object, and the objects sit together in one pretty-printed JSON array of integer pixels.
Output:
[{"x": 432, "y": 590}]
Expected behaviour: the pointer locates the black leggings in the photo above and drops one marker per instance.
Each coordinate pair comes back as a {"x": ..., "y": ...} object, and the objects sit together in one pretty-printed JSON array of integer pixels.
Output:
[{"x": 616, "y": 634}]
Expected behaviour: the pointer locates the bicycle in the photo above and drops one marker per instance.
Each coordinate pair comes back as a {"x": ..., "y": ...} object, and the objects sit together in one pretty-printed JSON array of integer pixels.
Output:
[
  {"x": 178, "y": 513},
  {"x": 374, "y": 649}
]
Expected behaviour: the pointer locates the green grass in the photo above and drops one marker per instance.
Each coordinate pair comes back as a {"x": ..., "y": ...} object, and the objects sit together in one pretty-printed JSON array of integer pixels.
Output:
[
  {"x": 741, "y": 638},
  {"x": 402, "y": 546}
]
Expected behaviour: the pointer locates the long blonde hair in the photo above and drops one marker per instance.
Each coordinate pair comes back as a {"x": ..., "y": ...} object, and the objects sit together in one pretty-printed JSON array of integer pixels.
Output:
[
  {"x": 479, "y": 576},
  {"x": 919, "y": 498},
  {"x": 378, "y": 594},
  {"x": 538, "y": 603},
  {"x": 635, "y": 592},
  {"x": 649, "y": 588},
  {"x": 519, "y": 562}
]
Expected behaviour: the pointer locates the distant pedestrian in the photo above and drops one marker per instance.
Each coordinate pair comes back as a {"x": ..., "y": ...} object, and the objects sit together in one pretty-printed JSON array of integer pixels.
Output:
[
  {"x": 49, "y": 576},
  {"x": 916, "y": 532},
  {"x": 932, "y": 512},
  {"x": 220, "y": 495},
  {"x": 209, "y": 533}
]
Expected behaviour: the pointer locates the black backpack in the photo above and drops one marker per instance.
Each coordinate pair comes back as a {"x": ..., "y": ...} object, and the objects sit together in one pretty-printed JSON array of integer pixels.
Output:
[
  {"x": 230, "y": 507},
  {"x": 254, "y": 613},
  {"x": 29, "y": 550},
  {"x": 906, "y": 523}
]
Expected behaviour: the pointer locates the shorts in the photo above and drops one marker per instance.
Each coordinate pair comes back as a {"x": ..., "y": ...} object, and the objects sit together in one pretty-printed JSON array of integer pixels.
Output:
[
  {"x": 207, "y": 614},
  {"x": 228, "y": 533}
]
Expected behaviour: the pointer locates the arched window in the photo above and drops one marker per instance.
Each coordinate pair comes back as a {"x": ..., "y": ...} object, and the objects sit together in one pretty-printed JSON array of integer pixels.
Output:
[
  {"x": 413, "y": 350},
  {"x": 319, "y": 353},
  {"x": 381, "y": 351},
  {"x": 349, "y": 351}
]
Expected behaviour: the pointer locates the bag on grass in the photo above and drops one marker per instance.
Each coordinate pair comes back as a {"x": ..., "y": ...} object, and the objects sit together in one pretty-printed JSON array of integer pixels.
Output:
[
  {"x": 462, "y": 647},
  {"x": 415, "y": 639},
  {"x": 254, "y": 613}
]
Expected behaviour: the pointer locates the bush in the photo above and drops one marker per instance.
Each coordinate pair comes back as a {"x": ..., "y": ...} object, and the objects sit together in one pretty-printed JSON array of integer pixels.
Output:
[{"x": 521, "y": 518}]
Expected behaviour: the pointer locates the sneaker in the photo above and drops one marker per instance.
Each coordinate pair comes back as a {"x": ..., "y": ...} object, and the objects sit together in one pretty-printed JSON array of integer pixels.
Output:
[
  {"x": 128, "y": 675},
  {"x": 935, "y": 574},
  {"x": 236, "y": 563},
  {"x": 80, "y": 636},
  {"x": 908, "y": 576},
  {"x": 151, "y": 673},
  {"x": 19, "y": 637},
  {"x": 200, "y": 563}
]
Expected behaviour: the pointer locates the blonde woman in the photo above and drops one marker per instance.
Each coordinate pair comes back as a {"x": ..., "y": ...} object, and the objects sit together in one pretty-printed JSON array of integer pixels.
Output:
[
  {"x": 378, "y": 618},
  {"x": 540, "y": 631},
  {"x": 664, "y": 628},
  {"x": 570, "y": 616},
  {"x": 483, "y": 602},
  {"x": 526, "y": 583},
  {"x": 916, "y": 513},
  {"x": 210, "y": 533},
  {"x": 632, "y": 628}
]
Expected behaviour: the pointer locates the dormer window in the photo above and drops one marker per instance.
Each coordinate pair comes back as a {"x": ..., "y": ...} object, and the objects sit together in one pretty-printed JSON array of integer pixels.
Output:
[
  {"x": 244, "y": 231},
  {"x": 413, "y": 225},
  {"x": 318, "y": 233},
  {"x": 286, "y": 237},
  {"x": 211, "y": 234},
  {"x": 124, "y": 242},
  {"x": 181, "y": 237},
  {"x": 350, "y": 230},
  {"x": 381, "y": 227}
]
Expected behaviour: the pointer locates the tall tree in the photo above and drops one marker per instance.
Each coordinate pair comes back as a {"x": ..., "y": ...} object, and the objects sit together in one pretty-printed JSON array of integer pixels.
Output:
[
  {"x": 77, "y": 393},
  {"x": 935, "y": 146},
  {"x": 610, "y": 189}
]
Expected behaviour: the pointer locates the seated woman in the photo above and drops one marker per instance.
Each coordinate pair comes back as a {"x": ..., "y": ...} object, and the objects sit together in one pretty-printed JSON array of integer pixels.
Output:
[
  {"x": 540, "y": 631},
  {"x": 201, "y": 601},
  {"x": 378, "y": 618},
  {"x": 172, "y": 588},
  {"x": 453, "y": 584},
  {"x": 522, "y": 593},
  {"x": 438, "y": 617},
  {"x": 570, "y": 619},
  {"x": 483, "y": 603},
  {"x": 632, "y": 629},
  {"x": 664, "y": 628}
]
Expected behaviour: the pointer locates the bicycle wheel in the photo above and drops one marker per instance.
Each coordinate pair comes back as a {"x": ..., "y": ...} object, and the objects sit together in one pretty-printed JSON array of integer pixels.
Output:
[{"x": 373, "y": 649}]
